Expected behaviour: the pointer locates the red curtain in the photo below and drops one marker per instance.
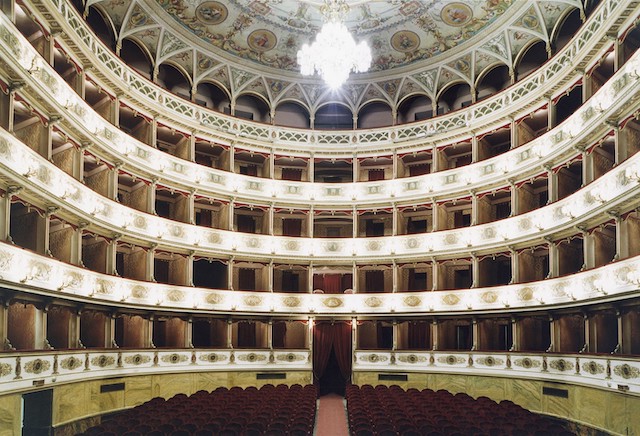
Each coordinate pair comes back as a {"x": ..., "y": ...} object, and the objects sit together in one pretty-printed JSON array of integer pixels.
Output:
[
  {"x": 375, "y": 175},
  {"x": 246, "y": 224},
  {"x": 418, "y": 335},
  {"x": 418, "y": 170},
  {"x": 294, "y": 174},
  {"x": 291, "y": 227},
  {"x": 328, "y": 336},
  {"x": 279, "y": 332},
  {"x": 374, "y": 281},
  {"x": 247, "y": 279},
  {"x": 246, "y": 334}
]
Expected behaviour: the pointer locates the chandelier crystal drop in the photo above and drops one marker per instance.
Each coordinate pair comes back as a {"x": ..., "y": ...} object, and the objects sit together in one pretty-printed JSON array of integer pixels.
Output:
[{"x": 334, "y": 53}]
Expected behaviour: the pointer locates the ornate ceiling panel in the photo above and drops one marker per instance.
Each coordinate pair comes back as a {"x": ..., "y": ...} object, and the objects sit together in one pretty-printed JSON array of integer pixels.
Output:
[{"x": 250, "y": 46}]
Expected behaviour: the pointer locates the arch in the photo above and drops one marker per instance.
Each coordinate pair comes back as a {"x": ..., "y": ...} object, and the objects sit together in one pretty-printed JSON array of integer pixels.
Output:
[
  {"x": 375, "y": 113},
  {"x": 530, "y": 58},
  {"x": 102, "y": 25},
  {"x": 213, "y": 94},
  {"x": 136, "y": 56},
  {"x": 291, "y": 113},
  {"x": 333, "y": 116},
  {"x": 415, "y": 107},
  {"x": 252, "y": 106},
  {"x": 454, "y": 97},
  {"x": 173, "y": 78},
  {"x": 565, "y": 28},
  {"x": 492, "y": 80}
]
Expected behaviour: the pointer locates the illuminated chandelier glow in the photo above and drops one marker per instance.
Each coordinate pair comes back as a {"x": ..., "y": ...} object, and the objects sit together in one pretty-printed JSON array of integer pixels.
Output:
[{"x": 334, "y": 53}]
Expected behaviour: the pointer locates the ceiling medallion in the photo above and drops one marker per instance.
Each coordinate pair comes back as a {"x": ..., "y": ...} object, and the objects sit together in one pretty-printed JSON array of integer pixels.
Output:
[{"x": 334, "y": 53}]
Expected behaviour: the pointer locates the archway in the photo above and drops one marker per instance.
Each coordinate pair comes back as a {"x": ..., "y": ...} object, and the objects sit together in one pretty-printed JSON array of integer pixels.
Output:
[{"x": 332, "y": 356}]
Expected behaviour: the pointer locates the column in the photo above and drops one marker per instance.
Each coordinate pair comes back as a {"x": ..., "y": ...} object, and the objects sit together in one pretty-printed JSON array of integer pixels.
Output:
[
  {"x": 394, "y": 276},
  {"x": 150, "y": 263},
  {"x": 229, "y": 333},
  {"x": 552, "y": 334},
  {"x": 310, "y": 278},
  {"x": 622, "y": 236},
  {"x": 554, "y": 268},
  {"x": 270, "y": 275},
  {"x": 230, "y": 274},
  {"x": 188, "y": 333},
  {"x": 394, "y": 224},
  {"x": 435, "y": 274},
  {"x": 515, "y": 266},
  {"x": 270, "y": 220},
  {"x": 5, "y": 210},
  {"x": 475, "y": 270},
  {"x": 76, "y": 243},
  {"x": 515, "y": 346},
  {"x": 474, "y": 333},
  {"x": 112, "y": 250},
  {"x": 356, "y": 168},
  {"x": 434, "y": 334},
  {"x": 552, "y": 180}
]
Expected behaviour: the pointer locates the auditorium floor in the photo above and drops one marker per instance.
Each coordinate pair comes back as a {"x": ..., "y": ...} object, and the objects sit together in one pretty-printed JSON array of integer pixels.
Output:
[{"x": 332, "y": 416}]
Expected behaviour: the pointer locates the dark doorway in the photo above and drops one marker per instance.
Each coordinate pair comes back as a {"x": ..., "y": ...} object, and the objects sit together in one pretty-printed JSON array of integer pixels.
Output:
[
  {"x": 37, "y": 413},
  {"x": 332, "y": 381},
  {"x": 332, "y": 357}
]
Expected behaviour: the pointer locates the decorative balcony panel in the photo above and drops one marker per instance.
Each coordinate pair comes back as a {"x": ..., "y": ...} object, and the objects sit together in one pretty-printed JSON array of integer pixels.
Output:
[
  {"x": 22, "y": 270},
  {"x": 20, "y": 371},
  {"x": 603, "y": 372}
]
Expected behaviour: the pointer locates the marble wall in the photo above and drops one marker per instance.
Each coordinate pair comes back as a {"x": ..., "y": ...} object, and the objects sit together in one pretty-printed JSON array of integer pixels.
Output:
[{"x": 615, "y": 412}]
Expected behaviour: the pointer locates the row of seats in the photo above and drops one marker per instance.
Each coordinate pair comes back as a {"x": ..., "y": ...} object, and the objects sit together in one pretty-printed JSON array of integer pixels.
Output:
[
  {"x": 270, "y": 410},
  {"x": 389, "y": 411}
]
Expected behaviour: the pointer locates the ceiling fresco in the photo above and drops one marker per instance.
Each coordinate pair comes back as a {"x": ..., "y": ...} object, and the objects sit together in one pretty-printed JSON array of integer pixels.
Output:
[
  {"x": 250, "y": 46},
  {"x": 271, "y": 33}
]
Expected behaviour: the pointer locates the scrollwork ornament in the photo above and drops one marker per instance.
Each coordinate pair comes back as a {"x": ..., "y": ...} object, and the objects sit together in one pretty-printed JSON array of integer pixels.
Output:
[
  {"x": 626, "y": 371},
  {"x": 71, "y": 363},
  {"x": 593, "y": 367},
  {"x": 174, "y": 358},
  {"x": 137, "y": 359},
  {"x": 37, "y": 366}
]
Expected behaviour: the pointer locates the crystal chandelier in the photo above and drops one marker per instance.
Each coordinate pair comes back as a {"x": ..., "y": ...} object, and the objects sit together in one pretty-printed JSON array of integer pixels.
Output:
[{"x": 334, "y": 54}]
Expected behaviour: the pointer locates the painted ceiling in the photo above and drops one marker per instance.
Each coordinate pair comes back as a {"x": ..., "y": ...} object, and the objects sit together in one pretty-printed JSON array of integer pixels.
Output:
[
  {"x": 250, "y": 46},
  {"x": 271, "y": 33}
]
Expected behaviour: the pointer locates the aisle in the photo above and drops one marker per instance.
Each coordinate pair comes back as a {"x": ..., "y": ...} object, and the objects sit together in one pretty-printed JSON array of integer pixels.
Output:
[{"x": 332, "y": 416}]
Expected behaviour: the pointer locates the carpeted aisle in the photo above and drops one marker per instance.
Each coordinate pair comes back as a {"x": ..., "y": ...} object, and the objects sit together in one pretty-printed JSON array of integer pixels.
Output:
[{"x": 332, "y": 416}]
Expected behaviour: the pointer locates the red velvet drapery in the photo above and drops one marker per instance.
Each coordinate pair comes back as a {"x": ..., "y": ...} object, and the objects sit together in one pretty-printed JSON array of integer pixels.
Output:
[
  {"x": 328, "y": 336},
  {"x": 418, "y": 335},
  {"x": 291, "y": 227}
]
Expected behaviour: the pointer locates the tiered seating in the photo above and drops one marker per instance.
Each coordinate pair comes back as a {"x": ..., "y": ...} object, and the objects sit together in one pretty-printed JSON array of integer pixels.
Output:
[
  {"x": 388, "y": 411},
  {"x": 270, "y": 410}
]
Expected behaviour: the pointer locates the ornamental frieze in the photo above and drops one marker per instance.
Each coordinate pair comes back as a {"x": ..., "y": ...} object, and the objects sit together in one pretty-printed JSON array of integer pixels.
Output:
[
  {"x": 626, "y": 371},
  {"x": 291, "y": 301},
  {"x": 137, "y": 359},
  {"x": 332, "y": 302},
  {"x": 290, "y": 357},
  {"x": 451, "y": 360},
  {"x": 412, "y": 301},
  {"x": 252, "y": 300},
  {"x": 593, "y": 367},
  {"x": 490, "y": 361},
  {"x": 175, "y": 295},
  {"x": 411, "y": 358},
  {"x": 37, "y": 366},
  {"x": 525, "y": 294},
  {"x": 103, "y": 361},
  {"x": 252, "y": 357},
  {"x": 212, "y": 357},
  {"x": 526, "y": 363},
  {"x": 214, "y": 298},
  {"x": 451, "y": 299},
  {"x": 139, "y": 292},
  {"x": 561, "y": 365},
  {"x": 489, "y": 297},
  {"x": 373, "y": 358},
  {"x": 5, "y": 369},
  {"x": 174, "y": 358},
  {"x": 71, "y": 363},
  {"x": 373, "y": 302}
]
